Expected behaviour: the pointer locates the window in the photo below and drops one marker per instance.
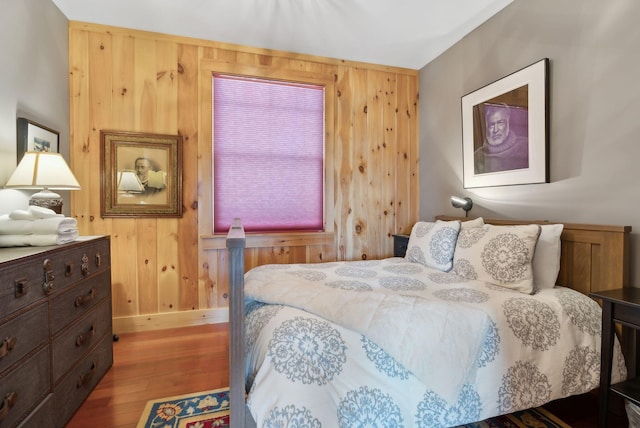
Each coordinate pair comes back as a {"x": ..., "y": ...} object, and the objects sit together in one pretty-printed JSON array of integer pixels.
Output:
[{"x": 268, "y": 154}]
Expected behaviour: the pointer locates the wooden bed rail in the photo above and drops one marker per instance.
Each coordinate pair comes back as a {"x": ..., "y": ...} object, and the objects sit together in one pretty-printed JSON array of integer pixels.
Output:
[{"x": 236, "y": 242}]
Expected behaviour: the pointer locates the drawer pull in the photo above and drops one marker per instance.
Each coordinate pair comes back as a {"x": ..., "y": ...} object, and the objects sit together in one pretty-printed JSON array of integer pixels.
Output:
[
  {"x": 85, "y": 265},
  {"x": 83, "y": 338},
  {"x": 7, "y": 345},
  {"x": 86, "y": 376},
  {"x": 82, "y": 300},
  {"x": 9, "y": 401},
  {"x": 68, "y": 270},
  {"x": 47, "y": 286},
  {"x": 21, "y": 287},
  {"x": 98, "y": 260}
]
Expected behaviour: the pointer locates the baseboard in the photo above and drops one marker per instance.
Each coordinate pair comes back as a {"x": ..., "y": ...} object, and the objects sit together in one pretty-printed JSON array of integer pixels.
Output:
[{"x": 166, "y": 320}]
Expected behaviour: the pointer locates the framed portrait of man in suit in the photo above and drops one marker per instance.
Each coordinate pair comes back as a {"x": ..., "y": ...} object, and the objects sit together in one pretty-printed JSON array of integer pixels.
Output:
[{"x": 141, "y": 174}]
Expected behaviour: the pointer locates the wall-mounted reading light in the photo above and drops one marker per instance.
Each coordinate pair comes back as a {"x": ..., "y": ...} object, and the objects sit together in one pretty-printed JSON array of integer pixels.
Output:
[{"x": 465, "y": 203}]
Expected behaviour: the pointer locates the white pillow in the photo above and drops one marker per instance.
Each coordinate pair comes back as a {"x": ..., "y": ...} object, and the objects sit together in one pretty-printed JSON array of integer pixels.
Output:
[
  {"x": 476, "y": 222},
  {"x": 546, "y": 259},
  {"x": 500, "y": 255},
  {"x": 432, "y": 244}
]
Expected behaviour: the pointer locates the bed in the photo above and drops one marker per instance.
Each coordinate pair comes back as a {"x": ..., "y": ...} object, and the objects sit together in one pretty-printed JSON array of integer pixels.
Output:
[{"x": 455, "y": 332}]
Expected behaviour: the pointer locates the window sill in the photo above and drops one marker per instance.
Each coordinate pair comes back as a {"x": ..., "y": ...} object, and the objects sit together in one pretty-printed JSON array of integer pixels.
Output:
[{"x": 265, "y": 240}]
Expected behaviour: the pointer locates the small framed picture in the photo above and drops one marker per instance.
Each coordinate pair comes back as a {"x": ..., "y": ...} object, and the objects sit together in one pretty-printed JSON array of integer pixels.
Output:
[
  {"x": 141, "y": 174},
  {"x": 33, "y": 137},
  {"x": 505, "y": 130}
]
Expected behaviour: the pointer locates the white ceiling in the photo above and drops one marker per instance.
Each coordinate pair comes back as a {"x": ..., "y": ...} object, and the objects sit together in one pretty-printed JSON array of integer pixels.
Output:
[{"x": 402, "y": 33}]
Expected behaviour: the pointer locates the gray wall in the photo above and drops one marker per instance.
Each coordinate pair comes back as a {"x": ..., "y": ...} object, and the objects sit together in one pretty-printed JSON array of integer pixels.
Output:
[
  {"x": 594, "y": 52},
  {"x": 34, "y": 51}
]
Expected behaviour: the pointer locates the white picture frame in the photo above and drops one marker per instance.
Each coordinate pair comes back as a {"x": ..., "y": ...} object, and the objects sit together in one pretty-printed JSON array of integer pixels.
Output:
[{"x": 505, "y": 130}]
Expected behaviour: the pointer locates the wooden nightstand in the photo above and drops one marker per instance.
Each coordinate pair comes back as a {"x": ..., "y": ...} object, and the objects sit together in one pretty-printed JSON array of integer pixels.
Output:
[
  {"x": 622, "y": 306},
  {"x": 400, "y": 243}
]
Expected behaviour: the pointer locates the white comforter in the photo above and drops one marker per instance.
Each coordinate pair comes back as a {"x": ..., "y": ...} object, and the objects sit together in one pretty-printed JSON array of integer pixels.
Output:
[{"x": 391, "y": 343}]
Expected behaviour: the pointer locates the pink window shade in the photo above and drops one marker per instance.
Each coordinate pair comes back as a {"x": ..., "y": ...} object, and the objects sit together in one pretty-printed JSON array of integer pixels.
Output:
[{"x": 268, "y": 154}]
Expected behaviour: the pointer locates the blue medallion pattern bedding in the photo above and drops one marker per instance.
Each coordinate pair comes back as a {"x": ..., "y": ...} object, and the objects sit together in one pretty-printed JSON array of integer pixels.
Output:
[{"x": 305, "y": 369}]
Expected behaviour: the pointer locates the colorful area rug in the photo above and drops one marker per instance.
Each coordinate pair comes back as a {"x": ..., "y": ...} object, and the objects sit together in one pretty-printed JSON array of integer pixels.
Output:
[
  {"x": 210, "y": 409},
  {"x": 530, "y": 418},
  {"x": 205, "y": 409}
]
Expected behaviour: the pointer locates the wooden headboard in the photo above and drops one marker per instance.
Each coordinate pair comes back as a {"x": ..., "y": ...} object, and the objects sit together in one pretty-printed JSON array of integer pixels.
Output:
[{"x": 594, "y": 257}]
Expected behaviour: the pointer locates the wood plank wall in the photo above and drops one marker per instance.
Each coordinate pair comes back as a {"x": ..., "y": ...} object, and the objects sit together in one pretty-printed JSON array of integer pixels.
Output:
[{"x": 172, "y": 271}]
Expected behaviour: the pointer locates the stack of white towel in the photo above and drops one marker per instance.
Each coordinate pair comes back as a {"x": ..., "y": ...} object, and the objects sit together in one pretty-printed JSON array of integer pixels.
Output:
[{"x": 36, "y": 227}]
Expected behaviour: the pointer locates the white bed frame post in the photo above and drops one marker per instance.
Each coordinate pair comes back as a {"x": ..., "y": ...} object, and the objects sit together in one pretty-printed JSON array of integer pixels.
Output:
[{"x": 236, "y": 243}]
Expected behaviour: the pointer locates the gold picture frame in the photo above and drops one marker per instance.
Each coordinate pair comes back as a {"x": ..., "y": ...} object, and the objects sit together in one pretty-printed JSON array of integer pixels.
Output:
[{"x": 141, "y": 174}]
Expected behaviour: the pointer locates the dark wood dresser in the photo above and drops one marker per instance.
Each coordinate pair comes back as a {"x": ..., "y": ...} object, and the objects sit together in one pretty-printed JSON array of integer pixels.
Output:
[{"x": 55, "y": 329}]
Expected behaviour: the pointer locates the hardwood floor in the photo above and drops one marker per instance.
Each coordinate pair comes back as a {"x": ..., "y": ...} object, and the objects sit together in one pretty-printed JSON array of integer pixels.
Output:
[
  {"x": 152, "y": 365},
  {"x": 178, "y": 361}
]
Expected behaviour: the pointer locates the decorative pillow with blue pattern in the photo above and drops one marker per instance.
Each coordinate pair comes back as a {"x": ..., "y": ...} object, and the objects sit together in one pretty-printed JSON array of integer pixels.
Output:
[
  {"x": 499, "y": 255},
  {"x": 432, "y": 244}
]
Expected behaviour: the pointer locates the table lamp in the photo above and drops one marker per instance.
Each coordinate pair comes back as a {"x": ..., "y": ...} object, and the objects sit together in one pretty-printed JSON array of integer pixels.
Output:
[{"x": 44, "y": 171}]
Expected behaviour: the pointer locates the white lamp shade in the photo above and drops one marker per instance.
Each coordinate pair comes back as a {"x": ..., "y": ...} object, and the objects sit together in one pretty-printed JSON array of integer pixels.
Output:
[
  {"x": 128, "y": 181},
  {"x": 38, "y": 170}
]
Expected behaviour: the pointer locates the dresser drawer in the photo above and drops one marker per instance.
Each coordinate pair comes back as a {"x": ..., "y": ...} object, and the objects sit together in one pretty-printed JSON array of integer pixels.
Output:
[
  {"x": 73, "y": 342},
  {"x": 29, "y": 384},
  {"x": 74, "y": 387},
  {"x": 21, "y": 284},
  {"x": 22, "y": 332},
  {"x": 80, "y": 262},
  {"x": 78, "y": 300},
  {"x": 41, "y": 416}
]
